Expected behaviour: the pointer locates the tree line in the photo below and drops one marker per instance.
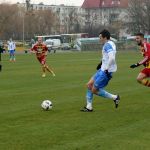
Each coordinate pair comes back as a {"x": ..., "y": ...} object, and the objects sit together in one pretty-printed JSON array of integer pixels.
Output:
[
  {"x": 18, "y": 23},
  {"x": 139, "y": 16}
]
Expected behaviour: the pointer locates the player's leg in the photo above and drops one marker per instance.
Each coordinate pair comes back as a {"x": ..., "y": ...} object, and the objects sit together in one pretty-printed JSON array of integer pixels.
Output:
[
  {"x": 10, "y": 55},
  {"x": 89, "y": 97},
  {"x": 43, "y": 70},
  {"x": 43, "y": 61},
  {"x": 142, "y": 77},
  {"x": 13, "y": 55},
  {"x": 43, "y": 66},
  {"x": 98, "y": 88},
  {"x": 89, "y": 94},
  {"x": 49, "y": 69}
]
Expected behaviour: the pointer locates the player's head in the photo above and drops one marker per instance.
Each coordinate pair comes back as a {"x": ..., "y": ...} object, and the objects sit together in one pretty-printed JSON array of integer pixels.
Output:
[
  {"x": 104, "y": 35},
  {"x": 139, "y": 38},
  {"x": 39, "y": 40}
]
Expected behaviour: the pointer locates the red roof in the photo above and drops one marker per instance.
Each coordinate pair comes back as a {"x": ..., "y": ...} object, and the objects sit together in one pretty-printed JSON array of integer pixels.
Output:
[{"x": 104, "y": 3}]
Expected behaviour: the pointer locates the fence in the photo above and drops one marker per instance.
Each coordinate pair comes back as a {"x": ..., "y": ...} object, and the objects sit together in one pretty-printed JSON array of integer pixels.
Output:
[{"x": 121, "y": 45}]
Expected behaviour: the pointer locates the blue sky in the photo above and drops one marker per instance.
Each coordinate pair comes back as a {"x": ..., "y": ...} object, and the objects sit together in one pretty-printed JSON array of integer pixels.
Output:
[{"x": 49, "y": 2}]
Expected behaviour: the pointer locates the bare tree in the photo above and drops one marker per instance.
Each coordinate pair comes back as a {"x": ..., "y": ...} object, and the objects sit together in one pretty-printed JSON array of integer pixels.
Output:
[
  {"x": 16, "y": 21},
  {"x": 139, "y": 14},
  {"x": 72, "y": 24},
  {"x": 146, "y": 11},
  {"x": 38, "y": 22},
  {"x": 8, "y": 19}
]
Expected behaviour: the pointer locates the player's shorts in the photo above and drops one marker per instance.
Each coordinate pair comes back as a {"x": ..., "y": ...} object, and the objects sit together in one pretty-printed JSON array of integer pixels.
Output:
[
  {"x": 146, "y": 71},
  {"x": 42, "y": 59},
  {"x": 12, "y": 52},
  {"x": 101, "y": 79}
]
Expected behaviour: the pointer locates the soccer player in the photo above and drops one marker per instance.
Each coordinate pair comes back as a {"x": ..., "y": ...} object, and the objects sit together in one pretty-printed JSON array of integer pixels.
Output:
[
  {"x": 11, "y": 49},
  {"x": 145, "y": 50},
  {"x": 40, "y": 50},
  {"x": 104, "y": 74}
]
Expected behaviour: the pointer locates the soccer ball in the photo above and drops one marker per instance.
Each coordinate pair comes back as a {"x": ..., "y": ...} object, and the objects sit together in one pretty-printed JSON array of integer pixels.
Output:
[{"x": 46, "y": 105}]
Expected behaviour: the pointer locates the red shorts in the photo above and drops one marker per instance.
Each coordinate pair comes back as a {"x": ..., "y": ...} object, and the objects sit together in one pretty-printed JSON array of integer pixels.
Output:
[
  {"x": 42, "y": 59},
  {"x": 146, "y": 71}
]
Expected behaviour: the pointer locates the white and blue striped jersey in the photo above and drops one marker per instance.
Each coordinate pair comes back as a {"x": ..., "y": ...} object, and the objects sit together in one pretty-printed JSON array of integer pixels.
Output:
[
  {"x": 108, "y": 57},
  {"x": 11, "y": 45}
]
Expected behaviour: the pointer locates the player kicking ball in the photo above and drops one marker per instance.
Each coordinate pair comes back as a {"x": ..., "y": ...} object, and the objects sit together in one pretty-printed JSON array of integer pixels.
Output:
[
  {"x": 103, "y": 75},
  {"x": 40, "y": 50}
]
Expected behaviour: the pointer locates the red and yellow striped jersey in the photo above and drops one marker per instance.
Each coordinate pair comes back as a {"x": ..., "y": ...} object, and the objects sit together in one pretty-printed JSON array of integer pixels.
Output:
[
  {"x": 40, "y": 49},
  {"x": 145, "y": 50}
]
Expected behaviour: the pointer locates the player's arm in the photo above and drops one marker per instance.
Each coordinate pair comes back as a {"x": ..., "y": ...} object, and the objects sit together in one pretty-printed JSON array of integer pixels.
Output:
[
  {"x": 33, "y": 49},
  {"x": 146, "y": 57},
  {"x": 111, "y": 59},
  {"x": 46, "y": 50},
  {"x": 99, "y": 65},
  {"x": 142, "y": 62},
  {"x": 111, "y": 56}
]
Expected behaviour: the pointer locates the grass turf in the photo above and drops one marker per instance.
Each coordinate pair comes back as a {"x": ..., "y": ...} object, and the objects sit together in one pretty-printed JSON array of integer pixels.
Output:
[{"x": 25, "y": 126}]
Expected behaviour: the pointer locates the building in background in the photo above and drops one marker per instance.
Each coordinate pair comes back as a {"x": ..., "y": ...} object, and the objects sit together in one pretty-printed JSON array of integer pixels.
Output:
[
  {"x": 106, "y": 12},
  {"x": 73, "y": 19}
]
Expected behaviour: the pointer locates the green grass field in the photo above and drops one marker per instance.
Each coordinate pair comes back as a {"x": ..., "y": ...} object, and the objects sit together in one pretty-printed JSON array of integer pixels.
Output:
[{"x": 25, "y": 126}]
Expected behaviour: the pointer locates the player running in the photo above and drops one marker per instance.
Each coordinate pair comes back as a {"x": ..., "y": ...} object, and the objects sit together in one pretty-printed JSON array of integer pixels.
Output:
[
  {"x": 145, "y": 50},
  {"x": 101, "y": 78},
  {"x": 40, "y": 50}
]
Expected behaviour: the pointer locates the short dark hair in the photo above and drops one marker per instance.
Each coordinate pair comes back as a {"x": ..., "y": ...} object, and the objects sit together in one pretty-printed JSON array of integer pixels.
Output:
[
  {"x": 140, "y": 34},
  {"x": 105, "y": 33}
]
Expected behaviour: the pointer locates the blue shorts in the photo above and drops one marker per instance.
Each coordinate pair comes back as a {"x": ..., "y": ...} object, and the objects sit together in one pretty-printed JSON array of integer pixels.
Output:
[
  {"x": 101, "y": 79},
  {"x": 12, "y": 52}
]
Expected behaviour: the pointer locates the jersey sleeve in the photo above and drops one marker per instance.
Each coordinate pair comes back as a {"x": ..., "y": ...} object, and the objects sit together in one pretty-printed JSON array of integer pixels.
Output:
[
  {"x": 46, "y": 48},
  {"x": 146, "y": 53},
  {"x": 108, "y": 47},
  {"x": 147, "y": 49},
  {"x": 33, "y": 48}
]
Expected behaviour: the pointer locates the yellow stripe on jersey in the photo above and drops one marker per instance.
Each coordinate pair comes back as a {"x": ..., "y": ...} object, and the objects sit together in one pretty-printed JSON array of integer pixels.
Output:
[{"x": 147, "y": 65}]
